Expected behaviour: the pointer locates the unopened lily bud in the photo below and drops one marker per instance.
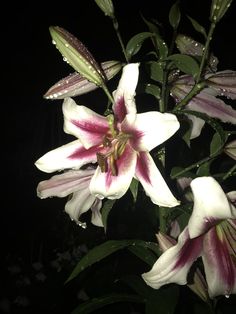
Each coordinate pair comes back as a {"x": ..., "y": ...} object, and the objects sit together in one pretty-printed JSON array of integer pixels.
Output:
[
  {"x": 77, "y": 55},
  {"x": 218, "y": 9},
  {"x": 75, "y": 84},
  {"x": 230, "y": 149},
  {"x": 106, "y": 6}
]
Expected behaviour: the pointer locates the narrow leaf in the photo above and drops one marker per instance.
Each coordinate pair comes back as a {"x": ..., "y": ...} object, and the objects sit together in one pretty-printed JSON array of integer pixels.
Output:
[
  {"x": 153, "y": 90},
  {"x": 107, "y": 206},
  {"x": 134, "y": 189},
  {"x": 135, "y": 43},
  {"x": 174, "y": 15},
  {"x": 199, "y": 28}
]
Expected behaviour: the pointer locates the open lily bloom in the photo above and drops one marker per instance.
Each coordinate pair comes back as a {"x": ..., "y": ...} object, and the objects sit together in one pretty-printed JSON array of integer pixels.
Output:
[
  {"x": 76, "y": 184},
  {"x": 118, "y": 143},
  {"x": 211, "y": 234},
  {"x": 222, "y": 83}
]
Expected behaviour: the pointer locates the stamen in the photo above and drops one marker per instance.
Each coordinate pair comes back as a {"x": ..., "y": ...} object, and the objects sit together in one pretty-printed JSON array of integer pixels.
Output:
[{"x": 101, "y": 159}]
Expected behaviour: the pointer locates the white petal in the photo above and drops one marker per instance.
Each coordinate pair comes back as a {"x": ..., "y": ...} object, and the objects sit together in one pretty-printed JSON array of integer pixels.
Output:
[
  {"x": 210, "y": 204},
  {"x": 124, "y": 95},
  {"x": 84, "y": 123},
  {"x": 80, "y": 203},
  {"x": 71, "y": 155},
  {"x": 152, "y": 181},
  {"x": 174, "y": 264},
  {"x": 150, "y": 129}
]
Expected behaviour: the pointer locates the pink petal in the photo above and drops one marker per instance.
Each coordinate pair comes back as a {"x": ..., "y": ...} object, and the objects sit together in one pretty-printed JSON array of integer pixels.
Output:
[
  {"x": 124, "y": 95},
  {"x": 84, "y": 123},
  {"x": 174, "y": 264},
  {"x": 71, "y": 155},
  {"x": 220, "y": 266},
  {"x": 104, "y": 184},
  {"x": 153, "y": 182},
  {"x": 64, "y": 184}
]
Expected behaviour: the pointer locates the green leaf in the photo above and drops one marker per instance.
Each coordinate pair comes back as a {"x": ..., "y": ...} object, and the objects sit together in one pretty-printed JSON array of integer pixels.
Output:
[
  {"x": 199, "y": 28},
  {"x": 204, "y": 169},
  {"x": 176, "y": 170},
  {"x": 174, "y": 15},
  {"x": 105, "y": 249},
  {"x": 185, "y": 63},
  {"x": 144, "y": 254},
  {"x": 134, "y": 189},
  {"x": 156, "y": 70},
  {"x": 163, "y": 301},
  {"x": 135, "y": 43},
  {"x": 98, "y": 303},
  {"x": 153, "y": 90},
  {"x": 107, "y": 206}
]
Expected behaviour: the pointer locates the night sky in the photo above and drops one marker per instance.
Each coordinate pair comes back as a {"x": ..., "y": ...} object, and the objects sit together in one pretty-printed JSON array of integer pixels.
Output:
[{"x": 33, "y": 125}]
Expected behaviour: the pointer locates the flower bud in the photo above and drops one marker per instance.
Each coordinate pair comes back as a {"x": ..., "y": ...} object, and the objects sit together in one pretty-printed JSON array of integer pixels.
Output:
[
  {"x": 106, "y": 6},
  {"x": 75, "y": 84},
  {"x": 218, "y": 9},
  {"x": 77, "y": 55}
]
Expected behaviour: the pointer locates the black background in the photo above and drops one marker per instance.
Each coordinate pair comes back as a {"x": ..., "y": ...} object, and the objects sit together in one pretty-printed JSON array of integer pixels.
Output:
[{"x": 33, "y": 125}]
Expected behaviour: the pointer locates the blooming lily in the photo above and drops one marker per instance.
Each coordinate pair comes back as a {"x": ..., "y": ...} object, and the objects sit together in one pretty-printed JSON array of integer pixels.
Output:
[
  {"x": 118, "y": 143},
  {"x": 222, "y": 83},
  {"x": 211, "y": 234},
  {"x": 76, "y": 184}
]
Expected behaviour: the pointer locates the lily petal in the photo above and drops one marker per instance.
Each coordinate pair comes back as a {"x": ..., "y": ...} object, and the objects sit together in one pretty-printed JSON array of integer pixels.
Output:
[
  {"x": 208, "y": 207},
  {"x": 84, "y": 123},
  {"x": 150, "y": 129},
  {"x": 71, "y": 155},
  {"x": 220, "y": 268},
  {"x": 124, "y": 95},
  {"x": 104, "y": 184},
  {"x": 96, "y": 218},
  {"x": 80, "y": 202},
  {"x": 224, "y": 82},
  {"x": 64, "y": 184},
  {"x": 197, "y": 125},
  {"x": 174, "y": 264},
  {"x": 152, "y": 181}
]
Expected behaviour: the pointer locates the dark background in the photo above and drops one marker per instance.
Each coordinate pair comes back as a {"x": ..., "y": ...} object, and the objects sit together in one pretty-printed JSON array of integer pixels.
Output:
[{"x": 32, "y": 230}]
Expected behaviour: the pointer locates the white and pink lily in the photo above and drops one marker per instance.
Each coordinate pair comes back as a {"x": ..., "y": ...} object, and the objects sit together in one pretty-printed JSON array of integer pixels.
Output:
[
  {"x": 119, "y": 144},
  {"x": 211, "y": 234},
  {"x": 74, "y": 183}
]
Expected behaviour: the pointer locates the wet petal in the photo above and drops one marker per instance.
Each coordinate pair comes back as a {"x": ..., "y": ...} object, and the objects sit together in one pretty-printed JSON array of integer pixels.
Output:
[
  {"x": 174, "y": 264},
  {"x": 208, "y": 207},
  {"x": 104, "y": 184},
  {"x": 152, "y": 181},
  {"x": 80, "y": 202},
  {"x": 124, "y": 95},
  {"x": 224, "y": 82},
  {"x": 64, "y": 184},
  {"x": 213, "y": 107},
  {"x": 84, "y": 123},
  {"x": 96, "y": 218},
  {"x": 219, "y": 264},
  {"x": 71, "y": 155},
  {"x": 150, "y": 129}
]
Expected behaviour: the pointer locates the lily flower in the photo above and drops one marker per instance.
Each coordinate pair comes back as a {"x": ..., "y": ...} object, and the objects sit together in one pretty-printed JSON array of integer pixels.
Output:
[
  {"x": 74, "y": 183},
  {"x": 119, "y": 144},
  {"x": 211, "y": 234},
  {"x": 222, "y": 83}
]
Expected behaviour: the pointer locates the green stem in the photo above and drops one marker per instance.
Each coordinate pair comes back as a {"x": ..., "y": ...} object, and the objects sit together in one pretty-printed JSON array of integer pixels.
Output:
[
  {"x": 116, "y": 27},
  {"x": 230, "y": 173},
  {"x": 205, "y": 51},
  {"x": 109, "y": 96},
  {"x": 162, "y": 219},
  {"x": 193, "y": 92}
]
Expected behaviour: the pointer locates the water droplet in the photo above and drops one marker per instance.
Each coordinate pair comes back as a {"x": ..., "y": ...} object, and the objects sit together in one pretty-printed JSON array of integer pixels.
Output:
[
  {"x": 227, "y": 296},
  {"x": 53, "y": 42}
]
